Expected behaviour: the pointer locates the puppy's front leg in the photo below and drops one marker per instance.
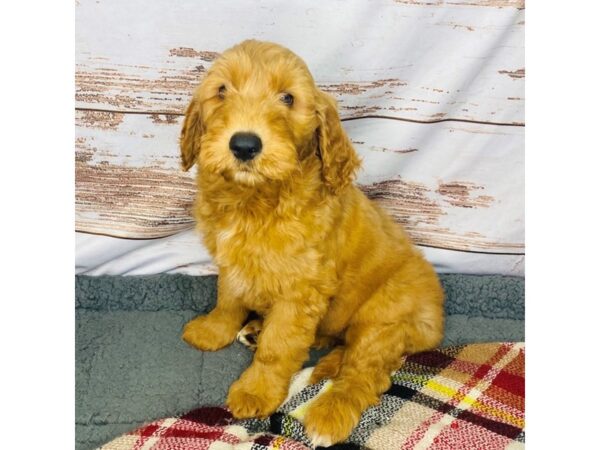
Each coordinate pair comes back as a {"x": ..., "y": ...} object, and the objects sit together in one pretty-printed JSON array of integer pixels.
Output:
[
  {"x": 288, "y": 332},
  {"x": 219, "y": 327}
]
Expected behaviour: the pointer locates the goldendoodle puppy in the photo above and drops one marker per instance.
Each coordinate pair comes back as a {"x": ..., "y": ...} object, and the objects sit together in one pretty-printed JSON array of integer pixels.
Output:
[{"x": 298, "y": 243}]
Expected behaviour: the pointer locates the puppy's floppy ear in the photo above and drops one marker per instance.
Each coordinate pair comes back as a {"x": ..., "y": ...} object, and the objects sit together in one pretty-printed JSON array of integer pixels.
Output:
[
  {"x": 189, "y": 140},
  {"x": 339, "y": 159}
]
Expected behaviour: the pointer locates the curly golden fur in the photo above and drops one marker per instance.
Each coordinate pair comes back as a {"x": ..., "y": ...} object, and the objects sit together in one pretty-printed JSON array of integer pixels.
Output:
[{"x": 299, "y": 244}]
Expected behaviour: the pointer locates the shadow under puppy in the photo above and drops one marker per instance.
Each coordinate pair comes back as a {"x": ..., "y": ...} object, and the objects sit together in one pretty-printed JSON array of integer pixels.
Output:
[{"x": 298, "y": 243}]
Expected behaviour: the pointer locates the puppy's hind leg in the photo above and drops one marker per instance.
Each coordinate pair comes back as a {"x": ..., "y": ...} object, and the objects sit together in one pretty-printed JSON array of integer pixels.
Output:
[
  {"x": 248, "y": 335},
  {"x": 401, "y": 318}
]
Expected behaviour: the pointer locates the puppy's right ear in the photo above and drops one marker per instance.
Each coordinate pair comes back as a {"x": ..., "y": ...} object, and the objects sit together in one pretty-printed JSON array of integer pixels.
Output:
[{"x": 189, "y": 141}]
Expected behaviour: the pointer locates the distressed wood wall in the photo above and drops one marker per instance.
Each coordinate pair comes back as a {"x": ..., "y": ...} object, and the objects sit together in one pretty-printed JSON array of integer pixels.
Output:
[{"x": 431, "y": 94}]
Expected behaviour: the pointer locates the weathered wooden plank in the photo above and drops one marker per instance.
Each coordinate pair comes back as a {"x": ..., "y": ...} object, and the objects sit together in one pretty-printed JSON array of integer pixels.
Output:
[
  {"x": 422, "y": 60},
  {"x": 127, "y": 175},
  {"x": 457, "y": 186},
  {"x": 520, "y": 4}
]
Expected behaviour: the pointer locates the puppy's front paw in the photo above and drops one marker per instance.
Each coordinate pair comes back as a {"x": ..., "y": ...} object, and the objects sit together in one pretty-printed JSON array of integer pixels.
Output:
[
  {"x": 254, "y": 399},
  {"x": 331, "y": 418},
  {"x": 209, "y": 333}
]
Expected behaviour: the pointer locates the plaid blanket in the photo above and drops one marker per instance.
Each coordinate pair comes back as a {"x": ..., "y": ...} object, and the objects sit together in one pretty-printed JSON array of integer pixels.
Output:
[{"x": 460, "y": 397}]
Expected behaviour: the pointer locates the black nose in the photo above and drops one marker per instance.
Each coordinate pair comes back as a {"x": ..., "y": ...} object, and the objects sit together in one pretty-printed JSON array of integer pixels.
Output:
[{"x": 245, "y": 146}]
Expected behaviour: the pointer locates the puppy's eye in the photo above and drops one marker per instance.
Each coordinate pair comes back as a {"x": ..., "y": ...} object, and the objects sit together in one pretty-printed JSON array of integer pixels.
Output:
[
  {"x": 222, "y": 91},
  {"x": 287, "y": 99}
]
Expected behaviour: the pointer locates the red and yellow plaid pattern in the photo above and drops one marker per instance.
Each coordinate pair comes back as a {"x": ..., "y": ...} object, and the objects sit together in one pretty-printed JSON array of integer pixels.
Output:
[
  {"x": 461, "y": 397},
  {"x": 209, "y": 428},
  {"x": 458, "y": 398}
]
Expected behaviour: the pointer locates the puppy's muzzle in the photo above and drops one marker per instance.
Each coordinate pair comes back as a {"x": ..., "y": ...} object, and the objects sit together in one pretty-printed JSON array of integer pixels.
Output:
[{"x": 245, "y": 146}]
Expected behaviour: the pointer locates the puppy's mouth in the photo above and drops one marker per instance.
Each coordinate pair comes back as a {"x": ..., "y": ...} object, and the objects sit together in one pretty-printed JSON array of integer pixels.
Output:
[
  {"x": 244, "y": 167},
  {"x": 245, "y": 174}
]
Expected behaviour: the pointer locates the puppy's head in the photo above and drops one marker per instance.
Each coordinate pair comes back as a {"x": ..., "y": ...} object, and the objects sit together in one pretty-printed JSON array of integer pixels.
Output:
[{"x": 258, "y": 115}]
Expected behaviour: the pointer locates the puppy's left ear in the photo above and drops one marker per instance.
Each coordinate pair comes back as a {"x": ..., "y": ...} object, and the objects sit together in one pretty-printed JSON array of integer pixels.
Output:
[
  {"x": 339, "y": 159},
  {"x": 191, "y": 132}
]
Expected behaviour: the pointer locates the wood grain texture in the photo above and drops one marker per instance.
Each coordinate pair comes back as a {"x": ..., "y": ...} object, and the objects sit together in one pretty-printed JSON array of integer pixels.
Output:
[
  {"x": 128, "y": 182},
  {"x": 127, "y": 179},
  {"x": 519, "y": 4},
  {"x": 418, "y": 60}
]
